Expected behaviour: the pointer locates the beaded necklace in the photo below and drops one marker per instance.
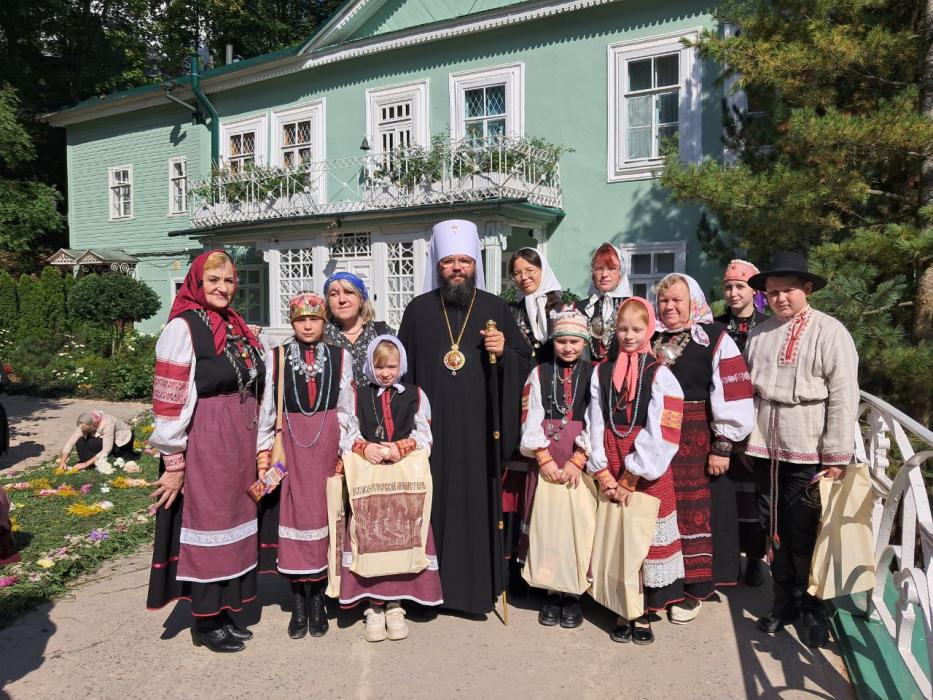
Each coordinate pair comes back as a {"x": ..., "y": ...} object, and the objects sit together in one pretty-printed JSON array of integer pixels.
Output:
[
  {"x": 668, "y": 351},
  {"x": 327, "y": 367},
  {"x": 614, "y": 404},
  {"x": 557, "y": 389}
]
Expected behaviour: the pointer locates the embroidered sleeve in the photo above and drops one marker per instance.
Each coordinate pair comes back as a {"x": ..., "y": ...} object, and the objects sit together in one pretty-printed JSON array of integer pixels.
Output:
[
  {"x": 174, "y": 393},
  {"x": 659, "y": 440},
  {"x": 346, "y": 404},
  {"x": 422, "y": 432},
  {"x": 840, "y": 367},
  {"x": 731, "y": 395},
  {"x": 266, "y": 431},
  {"x": 532, "y": 416},
  {"x": 595, "y": 427}
]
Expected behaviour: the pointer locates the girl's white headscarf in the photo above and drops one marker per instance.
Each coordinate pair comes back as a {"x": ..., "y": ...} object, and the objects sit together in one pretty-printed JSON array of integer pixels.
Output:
[
  {"x": 536, "y": 302},
  {"x": 621, "y": 291},
  {"x": 370, "y": 370},
  {"x": 699, "y": 310},
  {"x": 453, "y": 237}
]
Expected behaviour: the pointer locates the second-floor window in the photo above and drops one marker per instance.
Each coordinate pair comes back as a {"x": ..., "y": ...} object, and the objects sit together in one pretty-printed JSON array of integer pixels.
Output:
[
  {"x": 488, "y": 103},
  {"x": 396, "y": 122},
  {"x": 241, "y": 150},
  {"x": 295, "y": 142},
  {"x": 484, "y": 112},
  {"x": 121, "y": 192},
  {"x": 177, "y": 186}
]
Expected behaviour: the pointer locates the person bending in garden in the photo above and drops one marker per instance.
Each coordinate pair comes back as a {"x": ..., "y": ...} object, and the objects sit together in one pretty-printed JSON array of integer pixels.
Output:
[{"x": 97, "y": 436}]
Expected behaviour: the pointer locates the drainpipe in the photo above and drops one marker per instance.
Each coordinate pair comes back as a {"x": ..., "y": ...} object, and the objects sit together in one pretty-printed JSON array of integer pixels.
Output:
[{"x": 206, "y": 104}]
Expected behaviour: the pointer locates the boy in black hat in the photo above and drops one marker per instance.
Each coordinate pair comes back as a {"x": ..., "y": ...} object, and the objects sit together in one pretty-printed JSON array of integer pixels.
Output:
[{"x": 804, "y": 368}]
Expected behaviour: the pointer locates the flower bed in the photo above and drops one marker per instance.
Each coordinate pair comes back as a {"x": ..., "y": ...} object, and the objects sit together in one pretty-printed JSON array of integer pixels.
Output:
[{"x": 68, "y": 523}]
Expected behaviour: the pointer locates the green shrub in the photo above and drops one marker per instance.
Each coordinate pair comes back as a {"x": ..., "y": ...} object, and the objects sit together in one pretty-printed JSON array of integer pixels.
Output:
[
  {"x": 51, "y": 293},
  {"x": 9, "y": 312},
  {"x": 115, "y": 300},
  {"x": 31, "y": 321}
]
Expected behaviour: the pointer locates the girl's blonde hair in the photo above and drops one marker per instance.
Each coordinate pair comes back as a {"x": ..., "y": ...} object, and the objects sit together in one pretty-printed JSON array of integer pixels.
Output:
[
  {"x": 367, "y": 312},
  {"x": 385, "y": 351},
  {"x": 668, "y": 282},
  {"x": 633, "y": 307}
]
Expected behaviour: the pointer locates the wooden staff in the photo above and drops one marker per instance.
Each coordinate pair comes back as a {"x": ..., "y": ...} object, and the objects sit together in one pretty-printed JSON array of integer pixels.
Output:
[{"x": 498, "y": 522}]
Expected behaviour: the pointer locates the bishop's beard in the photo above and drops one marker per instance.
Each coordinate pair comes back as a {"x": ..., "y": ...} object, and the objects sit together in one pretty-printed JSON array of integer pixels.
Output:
[{"x": 460, "y": 294}]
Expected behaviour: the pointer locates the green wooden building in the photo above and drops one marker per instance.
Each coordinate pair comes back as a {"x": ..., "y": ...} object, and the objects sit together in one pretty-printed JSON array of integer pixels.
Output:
[{"x": 540, "y": 120}]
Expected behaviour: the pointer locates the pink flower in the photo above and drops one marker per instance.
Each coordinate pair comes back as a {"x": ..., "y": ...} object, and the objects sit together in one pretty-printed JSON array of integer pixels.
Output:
[
  {"x": 47, "y": 492},
  {"x": 8, "y": 581},
  {"x": 86, "y": 488}
]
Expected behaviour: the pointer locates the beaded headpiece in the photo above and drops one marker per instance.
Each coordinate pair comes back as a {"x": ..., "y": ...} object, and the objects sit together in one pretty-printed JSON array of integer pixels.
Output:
[
  {"x": 306, "y": 304},
  {"x": 569, "y": 323}
]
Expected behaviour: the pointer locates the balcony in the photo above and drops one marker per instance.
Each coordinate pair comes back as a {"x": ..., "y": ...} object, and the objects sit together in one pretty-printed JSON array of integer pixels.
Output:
[{"x": 447, "y": 172}]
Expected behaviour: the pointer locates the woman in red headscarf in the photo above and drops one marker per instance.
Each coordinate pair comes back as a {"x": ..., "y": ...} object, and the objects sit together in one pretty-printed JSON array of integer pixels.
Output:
[
  {"x": 634, "y": 417},
  {"x": 207, "y": 379}
]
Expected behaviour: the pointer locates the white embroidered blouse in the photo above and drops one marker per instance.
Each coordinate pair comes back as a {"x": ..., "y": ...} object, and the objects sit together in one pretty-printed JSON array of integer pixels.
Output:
[
  {"x": 533, "y": 437},
  {"x": 174, "y": 393},
  {"x": 421, "y": 433}
]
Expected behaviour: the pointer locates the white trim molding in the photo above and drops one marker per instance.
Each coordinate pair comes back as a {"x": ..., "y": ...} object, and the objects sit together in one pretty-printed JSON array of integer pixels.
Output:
[
  {"x": 112, "y": 184},
  {"x": 511, "y": 75},
  {"x": 172, "y": 178},
  {"x": 620, "y": 166},
  {"x": 313, "y": 112},
  {"x": 417, "y": 92}
]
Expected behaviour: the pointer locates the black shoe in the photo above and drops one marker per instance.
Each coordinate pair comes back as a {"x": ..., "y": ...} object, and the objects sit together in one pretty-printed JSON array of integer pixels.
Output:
[
  {"x": 317, "y": 616},
  {"x": 550, "y": 611},
  {"x": 622, "y": 633},
  {"x": 641, "y": 631},
  {"x": 233, "y": 629},
  {"x": 571, "y": 614},
  {"x": 216, "y": 639},
  {"x": 298, "y": 624},
  {"x": 815, "y": 631},
  {"x": 775, "y": 621},
  {"x": 754, "y": 573}
]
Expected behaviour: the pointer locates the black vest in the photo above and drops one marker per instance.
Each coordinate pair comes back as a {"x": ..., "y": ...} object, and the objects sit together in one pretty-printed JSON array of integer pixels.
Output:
[
  {"x": 329, "y": 379},
  {"x": 213, "y": 373},
  {"x": 622, "y": 416},
  {"x": 404, "y": 406},
  {"x": 540, "y": 352},
  {"x": 738, "y": 336},
  {"x": 694, "y": 368},
  {"x": 583, "y": 372}
]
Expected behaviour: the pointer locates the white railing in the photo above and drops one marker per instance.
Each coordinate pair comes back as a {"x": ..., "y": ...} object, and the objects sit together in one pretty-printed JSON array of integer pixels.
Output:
[
  {"x": 471, "y": 170},
  {"x": 911, "y": 548}
]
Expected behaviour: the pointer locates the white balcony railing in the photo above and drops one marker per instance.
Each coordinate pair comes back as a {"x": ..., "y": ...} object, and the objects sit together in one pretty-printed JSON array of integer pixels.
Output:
[
  {"x": 471, "y": 170},
  {"x": 902, "y": 524}
]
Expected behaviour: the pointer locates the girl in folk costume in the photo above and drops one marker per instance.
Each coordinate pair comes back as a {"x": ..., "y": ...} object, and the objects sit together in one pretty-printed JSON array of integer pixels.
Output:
[
  {"x": 538, "y": 294},
  {"x": 318, "y": 404},
  {"x": 634, "y": 419},
  {"x": 208, "y": 375},
  {"x": 742, "y": 316},
  {"x": 717, "y": 396},
  {"x": 554, "y": 404},
  {"x": 393, "y": 419},
  {"x": 609, "y": 289}
]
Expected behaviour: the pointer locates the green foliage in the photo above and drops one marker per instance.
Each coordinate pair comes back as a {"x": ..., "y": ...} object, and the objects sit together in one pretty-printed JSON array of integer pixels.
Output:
[
  {"x": 827, "y": 158},
  {"x": 31, "y": 319},
  {"x": 9, "y": 311},
  {"x": 113, "y": 299},
  {"x": 52, "y": 295}
]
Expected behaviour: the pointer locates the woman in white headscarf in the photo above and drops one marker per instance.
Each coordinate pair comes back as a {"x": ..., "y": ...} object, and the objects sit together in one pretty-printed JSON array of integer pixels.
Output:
[
  {"x": 539, "y": 292},
  {"x": 609, "y": 289}
]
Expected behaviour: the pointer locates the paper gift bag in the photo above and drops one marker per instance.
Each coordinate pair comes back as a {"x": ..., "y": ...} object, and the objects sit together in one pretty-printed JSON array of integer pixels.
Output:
[
  {"x": 560, "y": 537},
  {"x": 336, "y": 524},
  {"x": 391, "y": 514},
  {"x": 844, "y": 556},
  {"x": 623, "y": 537}
]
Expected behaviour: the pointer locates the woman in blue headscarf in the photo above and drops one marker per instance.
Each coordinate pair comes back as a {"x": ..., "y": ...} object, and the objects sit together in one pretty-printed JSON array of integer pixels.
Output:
[{"x": 351, "y": 319}]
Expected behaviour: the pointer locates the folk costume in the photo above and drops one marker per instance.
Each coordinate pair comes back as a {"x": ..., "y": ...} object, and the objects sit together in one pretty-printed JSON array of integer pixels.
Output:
[
  {"x": 634, "y": 422},
  {"x": 805, "y": 374},
  {"x": 554, "y": 406},
  {"x": 447, "y": 359},
  {"x": 111, "y": 437},
  {"x": 318, "y": 409},
  {"x": 357, "y": 349},
  {"x": 752, "y": 537},
  {"x": 400, "y": 413},
  {"x": 208, "y": 375},
  {"x": 718, "y": 413},
  {"x": 600, "y": 309},
  {"x": 531, "y": 311}
]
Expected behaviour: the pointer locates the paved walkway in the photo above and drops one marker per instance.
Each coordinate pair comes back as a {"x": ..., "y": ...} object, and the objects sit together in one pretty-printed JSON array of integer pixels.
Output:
[
  {"x": 39, "y": 427},
  {"x": 101, "y": 643}
]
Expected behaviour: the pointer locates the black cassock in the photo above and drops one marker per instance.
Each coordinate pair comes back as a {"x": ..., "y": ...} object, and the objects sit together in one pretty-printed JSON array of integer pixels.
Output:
[{"x": 463, "y": 463}]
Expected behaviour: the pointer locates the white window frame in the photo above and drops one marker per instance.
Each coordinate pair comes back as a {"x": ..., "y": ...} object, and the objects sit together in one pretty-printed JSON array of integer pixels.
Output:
[
  {"x": 512, "y": 76},
  {"x": 678, "y": 248},
  {"x": 690, "y": 110},
  {"x": 257, "y": 124},
  {"x": 172, "y": 162},
  {"x": 313, "y": 112},
  {"x": 111, "y": 185},
  {"x": 417, "y": 92}
]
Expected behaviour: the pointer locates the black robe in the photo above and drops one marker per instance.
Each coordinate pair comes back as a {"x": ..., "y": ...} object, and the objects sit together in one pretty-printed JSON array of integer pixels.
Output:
[{"x": 463, "y": 459}]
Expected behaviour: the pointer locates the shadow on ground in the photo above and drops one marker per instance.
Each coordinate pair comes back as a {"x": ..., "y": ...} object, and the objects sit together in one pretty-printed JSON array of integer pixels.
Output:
[{"x": 25, "y": 652}]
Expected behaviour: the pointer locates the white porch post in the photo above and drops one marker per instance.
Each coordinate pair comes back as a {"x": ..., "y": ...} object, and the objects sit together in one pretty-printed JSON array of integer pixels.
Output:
[{"x": 495, "y": 239}]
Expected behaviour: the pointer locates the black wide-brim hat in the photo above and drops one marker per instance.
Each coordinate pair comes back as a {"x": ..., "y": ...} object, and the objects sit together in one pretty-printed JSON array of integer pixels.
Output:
[{"x": 787, "y": 264}]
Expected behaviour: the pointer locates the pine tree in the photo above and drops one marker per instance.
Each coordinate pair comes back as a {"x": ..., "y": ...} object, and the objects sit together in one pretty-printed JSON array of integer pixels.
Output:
[
  {"x": 828, "y": 157},
  {"x": 31, "y": 319},
  {"x": 52, "y": 294},
  {"x": 9, "y": 313}
]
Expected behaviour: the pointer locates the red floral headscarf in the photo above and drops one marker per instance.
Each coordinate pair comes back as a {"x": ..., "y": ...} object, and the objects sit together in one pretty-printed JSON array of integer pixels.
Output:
[{"x": 191, "y": 296}]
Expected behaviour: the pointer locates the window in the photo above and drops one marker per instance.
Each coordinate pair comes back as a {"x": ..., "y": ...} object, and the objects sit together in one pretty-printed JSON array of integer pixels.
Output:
[
  {"x": 397, "y": 117},
  {"x": 654, "y": 98},
  {"x": 296, "y": 275},
  {"x": 648, "y": 263},
  {"x": 250, "y": 294},
  {"x": 242, "y": 151},
  {"x": 296, "y": 143},
  {"x": 395, "y": 126},
  {"x": 177, "y": 186},
  {"x": 121, "y": 192},
  {"x": 488, "y": 103},
  {"x": 243, "y": 144},
  {"x": 400, "y": 280}
]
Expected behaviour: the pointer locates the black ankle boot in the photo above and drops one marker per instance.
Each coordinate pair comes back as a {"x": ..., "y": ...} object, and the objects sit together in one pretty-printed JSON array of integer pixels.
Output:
[
  {"x": 317, "y": 614},
  {"x": 571, "y": 614},
  {"x": 233, "y": 629},
  {"x": 298, "y": 624},
  {"x": 210, "y": 633},
  {"x": 550, "y": 611}
]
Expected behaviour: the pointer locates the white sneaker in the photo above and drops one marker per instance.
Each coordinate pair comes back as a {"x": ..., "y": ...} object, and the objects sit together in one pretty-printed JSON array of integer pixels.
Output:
[
  {"x": 395, "y": 622},
  {"x": 685, "y": 611},
  {"x": 375, "y": 625}
]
